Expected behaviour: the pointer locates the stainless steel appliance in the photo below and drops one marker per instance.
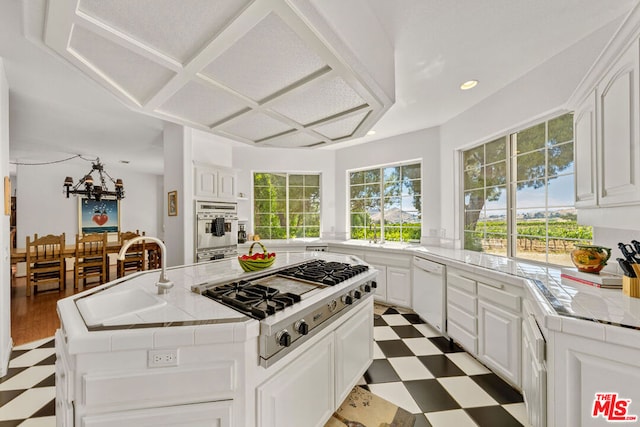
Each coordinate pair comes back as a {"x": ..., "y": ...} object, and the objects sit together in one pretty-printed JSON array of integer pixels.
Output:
[
  {"x": 216, "y": 230},
  {"x": 295, "y": 302}
]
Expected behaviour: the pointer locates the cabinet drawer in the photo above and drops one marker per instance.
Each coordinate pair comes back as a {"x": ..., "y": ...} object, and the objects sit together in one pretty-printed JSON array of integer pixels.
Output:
[
  {"x": 463, "y": 300},
  {"x": 464, "y": 338},
  {"x": 505, "y": 299},
  {"x": 463, "y": 283},
  {"x": 464, "y": 320}
]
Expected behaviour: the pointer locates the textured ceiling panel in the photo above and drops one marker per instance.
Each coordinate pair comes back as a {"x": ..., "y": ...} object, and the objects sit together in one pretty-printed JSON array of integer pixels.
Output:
[
  {"x": 161, "y": 23},
  {"x": 270, "y": 57},
  {"x": 341, "y": 128},
  {"x": 318, "y": 100},
  {"x": 135, "y": 75},
  {"x": 293, "y": 140},
  {"x": 254, "y": 126},
  {"x": 201, "y": 104}
]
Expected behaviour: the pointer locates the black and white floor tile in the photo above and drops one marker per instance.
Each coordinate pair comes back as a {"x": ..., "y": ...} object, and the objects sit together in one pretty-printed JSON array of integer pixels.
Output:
[{"x": 414, "y": 367}]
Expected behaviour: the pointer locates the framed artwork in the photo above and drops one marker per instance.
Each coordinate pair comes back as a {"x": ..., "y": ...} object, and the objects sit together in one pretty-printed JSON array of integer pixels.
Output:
[
  {"x": 98, "y": 216},
  {"x": 172, "y": 203}
]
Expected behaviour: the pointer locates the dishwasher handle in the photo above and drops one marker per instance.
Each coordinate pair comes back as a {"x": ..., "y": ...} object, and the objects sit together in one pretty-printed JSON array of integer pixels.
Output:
[{"x": 428, "y": 266}]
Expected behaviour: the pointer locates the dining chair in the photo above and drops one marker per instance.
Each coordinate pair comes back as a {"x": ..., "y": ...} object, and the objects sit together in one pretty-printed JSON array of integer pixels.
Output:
[
  {"x": 91, "y": 258},
  {"x": 134, "y": 259},
  {"x": 45, "y": 261}
]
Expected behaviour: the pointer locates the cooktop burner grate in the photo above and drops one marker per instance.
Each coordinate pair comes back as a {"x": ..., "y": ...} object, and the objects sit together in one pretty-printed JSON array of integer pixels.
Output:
[
  {"x": 257, "y": 300},
  {"x": 328, "y": 273}
]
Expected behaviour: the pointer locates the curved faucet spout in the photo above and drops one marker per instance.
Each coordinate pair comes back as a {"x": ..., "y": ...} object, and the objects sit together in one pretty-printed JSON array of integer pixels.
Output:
[{"x": 163, "y": 284}]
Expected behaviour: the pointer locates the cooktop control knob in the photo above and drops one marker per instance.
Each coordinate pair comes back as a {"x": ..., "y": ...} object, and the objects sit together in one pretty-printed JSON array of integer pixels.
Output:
[
  {"x": 347, "y": 300},
  {"x": 374, "y": 284},
  {"x": 284, "y": 338},
  {"x": 332, "y": 305},
  {"x": 302, "y": 327},
  {"x": 357, "y": 294},
  {"x": 367, "y": 288}
]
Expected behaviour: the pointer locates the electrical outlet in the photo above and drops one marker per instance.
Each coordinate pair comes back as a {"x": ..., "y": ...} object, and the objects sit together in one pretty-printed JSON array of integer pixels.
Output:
[{"x": 163, "y": 358}]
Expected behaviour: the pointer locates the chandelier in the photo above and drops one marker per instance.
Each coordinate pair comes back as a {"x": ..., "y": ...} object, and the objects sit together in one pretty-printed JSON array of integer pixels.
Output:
[{"x": 87, "y": 188}]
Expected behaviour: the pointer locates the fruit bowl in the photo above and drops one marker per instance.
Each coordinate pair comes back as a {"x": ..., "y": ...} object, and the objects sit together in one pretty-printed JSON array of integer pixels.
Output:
[{"x": 257, "y": 261}]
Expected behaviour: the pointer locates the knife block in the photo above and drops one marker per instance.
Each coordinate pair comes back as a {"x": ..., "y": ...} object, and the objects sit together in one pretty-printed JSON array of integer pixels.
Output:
[{"x": 631, "y": 286}]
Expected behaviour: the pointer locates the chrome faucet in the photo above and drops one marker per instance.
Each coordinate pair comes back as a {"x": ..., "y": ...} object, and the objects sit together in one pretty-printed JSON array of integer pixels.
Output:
[{"x": 163, "y": 284}]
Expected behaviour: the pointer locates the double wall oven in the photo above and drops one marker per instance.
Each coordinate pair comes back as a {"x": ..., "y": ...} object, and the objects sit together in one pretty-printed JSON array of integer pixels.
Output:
[{"x": 216, "y": 230}]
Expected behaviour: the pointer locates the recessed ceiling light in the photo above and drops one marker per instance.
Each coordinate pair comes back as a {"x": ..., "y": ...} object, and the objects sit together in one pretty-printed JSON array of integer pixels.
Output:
[
  {"x": 371, "y": 132},
  {"x": 468, "y": 84}
]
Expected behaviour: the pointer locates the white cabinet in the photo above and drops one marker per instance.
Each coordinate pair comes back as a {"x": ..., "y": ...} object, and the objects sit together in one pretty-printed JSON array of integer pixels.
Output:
[
  {"x": 499, "y": 342},
  {"x": 534, "y": 370},
  {"x": 381, "y": 282},
  {"x": 483, "y": 316},
  {"x": 285, "y": 399},
  {"x": 214, "y": 182},
  {"x": 354, "y": 352},
  {"x": 214, "y": 414},
  {"x": 461, "y": 311},
  {"x": 399, "y": 286},
  {"x": 619, "y": 154},
  {"x": 583, "y": 368},
  {"x": 585, "y": 152}
]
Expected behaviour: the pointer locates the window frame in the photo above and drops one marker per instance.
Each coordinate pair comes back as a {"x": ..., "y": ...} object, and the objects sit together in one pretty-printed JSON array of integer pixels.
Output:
[
  {"x": 510, "y": 137},
  {"x": 287, "y": 225},
  {"x": 380, "y": 230}
]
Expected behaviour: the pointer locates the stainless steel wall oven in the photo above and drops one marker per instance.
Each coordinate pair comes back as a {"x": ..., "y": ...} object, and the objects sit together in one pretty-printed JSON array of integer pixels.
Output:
[{"x": 216, "y": 230}]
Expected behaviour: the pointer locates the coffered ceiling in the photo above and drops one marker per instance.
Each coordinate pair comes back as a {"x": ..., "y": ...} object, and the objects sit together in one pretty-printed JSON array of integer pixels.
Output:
[
  {"x": 260, "y": 72},
  {"x": 189, "y": 73}
]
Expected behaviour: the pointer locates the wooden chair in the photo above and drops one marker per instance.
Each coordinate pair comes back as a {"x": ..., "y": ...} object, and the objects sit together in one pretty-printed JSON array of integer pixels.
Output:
[
  {"x": 91, "y": 258},
  {"x": 45, "y": 262},
  {"x": 134, "y": 259}
]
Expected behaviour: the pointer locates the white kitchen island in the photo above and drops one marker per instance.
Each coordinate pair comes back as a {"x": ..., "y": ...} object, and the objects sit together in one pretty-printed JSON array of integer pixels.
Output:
[{"x": 129, "y": 357}]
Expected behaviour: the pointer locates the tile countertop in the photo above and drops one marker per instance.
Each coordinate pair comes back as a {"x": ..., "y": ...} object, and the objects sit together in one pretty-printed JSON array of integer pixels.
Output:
[{"x": 558, "y": 297}]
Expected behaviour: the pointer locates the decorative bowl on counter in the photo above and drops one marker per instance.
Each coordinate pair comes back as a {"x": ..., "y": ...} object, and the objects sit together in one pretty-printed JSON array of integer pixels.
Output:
[
  {"x": 590, "y": 258},
  {"x": 257, "y": 261}
]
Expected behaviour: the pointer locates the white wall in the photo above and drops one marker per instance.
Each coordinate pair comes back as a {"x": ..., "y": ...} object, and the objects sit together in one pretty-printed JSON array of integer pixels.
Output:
[
  {"x": 211, "y": 149},
  {"x": 532, "y": 98},
  {"x": 423, "y": 145},
  {"x": 250, "y": 159},
  {"x": 5, "y": 263},
  {"x": 43, "y": 208}
]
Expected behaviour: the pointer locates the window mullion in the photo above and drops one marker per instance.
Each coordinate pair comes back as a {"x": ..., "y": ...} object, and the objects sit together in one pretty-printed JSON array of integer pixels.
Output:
[{"x": 512, "y": 175}]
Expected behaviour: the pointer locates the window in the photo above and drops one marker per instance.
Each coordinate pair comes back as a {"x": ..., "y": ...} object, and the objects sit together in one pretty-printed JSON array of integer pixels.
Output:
[
  {"x": 519, "y": 194},
  {"x": 286, "y": 206},
  {"x": 385, "y": 202}
]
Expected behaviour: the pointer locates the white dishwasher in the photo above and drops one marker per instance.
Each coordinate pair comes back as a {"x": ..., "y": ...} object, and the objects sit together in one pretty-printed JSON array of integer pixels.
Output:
[{"x": 429, "y": 292}]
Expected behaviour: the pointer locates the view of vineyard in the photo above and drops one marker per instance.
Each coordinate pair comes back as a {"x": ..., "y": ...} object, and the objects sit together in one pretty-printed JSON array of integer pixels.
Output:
[{"x": 537, "y": 165}]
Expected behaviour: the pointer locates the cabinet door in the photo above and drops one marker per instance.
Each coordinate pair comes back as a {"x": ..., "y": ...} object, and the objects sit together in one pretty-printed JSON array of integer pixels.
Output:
[
  {"x": 534, "y": 379},
  {"x": 214, "y": 414},
  {"x": 381, "y": 281},
  {"x": 354, "y": 351},
  {"x": 399, "y": 286},
  {"x": 585, "y": 152},
  {"x": 226, "y": 185},
  {"x": 499, "y": 341},
  {"x": 301, "y": 395},
  {"x": 619, "y": 151},
  {"x": 206, "y": 182}
]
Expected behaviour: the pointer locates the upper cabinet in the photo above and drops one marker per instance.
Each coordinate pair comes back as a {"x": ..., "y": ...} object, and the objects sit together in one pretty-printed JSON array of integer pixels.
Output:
[
  {"x": 606, "y": 108},
  {"x": 213, "y": 182},
  {"x": 584, "y": 133},
  {"x": 619, "y": 147}
]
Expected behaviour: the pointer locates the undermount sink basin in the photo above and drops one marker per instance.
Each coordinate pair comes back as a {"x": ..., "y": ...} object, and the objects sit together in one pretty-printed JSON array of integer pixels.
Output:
[{"x": 99, "y": 308}]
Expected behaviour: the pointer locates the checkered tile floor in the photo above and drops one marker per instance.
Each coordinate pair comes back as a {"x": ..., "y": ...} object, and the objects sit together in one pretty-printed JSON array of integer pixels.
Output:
[{"x": 414, "y": 367}]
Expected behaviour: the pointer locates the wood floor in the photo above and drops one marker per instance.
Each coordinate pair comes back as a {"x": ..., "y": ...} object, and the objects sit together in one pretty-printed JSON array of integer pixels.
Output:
[{"x": 35, "y": 317}]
